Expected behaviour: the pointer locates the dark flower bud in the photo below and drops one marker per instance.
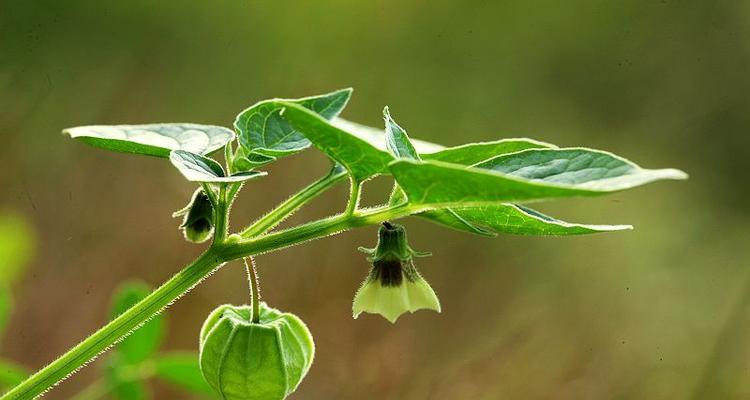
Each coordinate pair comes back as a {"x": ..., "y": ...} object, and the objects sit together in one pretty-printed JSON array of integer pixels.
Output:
[{"x": 198, "y": 222}]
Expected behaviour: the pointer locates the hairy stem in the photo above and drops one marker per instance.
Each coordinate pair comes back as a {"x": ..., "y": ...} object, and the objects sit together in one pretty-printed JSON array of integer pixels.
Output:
[
  {"x": 228, "y": 159},
  {"x": 310, "y": 231},
  {"x": 116, "y": 329},
  {"x": 252, "y": 277},
  {"x": 292, "y": 204},
  {"x": 221, "y": 213},
  {"x": 210, "y": 193},
  {"x": 356, "y": 189},
  {"x": 191, "y": 275}
]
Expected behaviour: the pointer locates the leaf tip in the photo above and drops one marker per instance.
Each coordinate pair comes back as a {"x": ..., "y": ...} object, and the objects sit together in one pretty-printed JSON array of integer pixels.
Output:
[
  {"x": 386, "y": 113},
  {"x": 677, "y": 174}
]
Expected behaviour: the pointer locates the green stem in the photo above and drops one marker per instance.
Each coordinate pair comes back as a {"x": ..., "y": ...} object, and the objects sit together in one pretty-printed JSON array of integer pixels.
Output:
[
  {"x": 234, "y": 188},
  {"x": 292, "y": 204},
  {"x": 221, "y": 211},
  {"x": 354, "y": 192},
  {"x": 228, "y": 159},
  {"x": 310, "y": 231},
  {"x": 210, "y": 193},
  {"x": 116, "y": 329},
  {"x": 191, "y": 275},
  {"x": 252, "y": 276}
]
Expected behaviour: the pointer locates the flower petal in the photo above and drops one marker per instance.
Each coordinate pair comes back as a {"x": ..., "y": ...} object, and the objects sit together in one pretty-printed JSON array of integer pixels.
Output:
[{"x": 393, "y": 301}]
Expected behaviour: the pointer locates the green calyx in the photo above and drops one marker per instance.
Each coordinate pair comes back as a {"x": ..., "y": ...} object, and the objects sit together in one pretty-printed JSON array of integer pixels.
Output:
[
  {"x": 243, "y": 360},
  {"x": 197, "y": 224},
  {"x": 392, "y": 245},
  {"x": 393, "y": 286}
]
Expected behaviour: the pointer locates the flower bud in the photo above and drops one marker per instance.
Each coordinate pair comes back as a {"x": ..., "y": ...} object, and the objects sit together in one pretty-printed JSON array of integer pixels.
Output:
[
  {"x": 243, "y": 360},
  {"x": 198, "y": 222},
  {"x": 393, "y": 286}
]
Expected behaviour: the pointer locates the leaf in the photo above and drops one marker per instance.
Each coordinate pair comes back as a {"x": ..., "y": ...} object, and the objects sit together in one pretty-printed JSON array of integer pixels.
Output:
[
  {"x": 358, "y": 156},
  {"x": 376, "y": 137},
  {"x": 11, "y": 374},
  {"x": 587, "y": 169},
  {"x": 16, "y": 246},
  {"x": 263, "y": 131},
  {"x": 397, "y": 140},
  {"x": 453, "y": 219},
  {"x": 518, "y": 220},
  {"x": 244, "y": 160},
  {"x": 197, "y": 168},
  {"x": 400, "y": 146},
  {"x": 125, "y": 383},
  {"x": 154, "y": 139},
  {"x": 182, "y": 370},
  {"x": 130, "y": 390},
  {"x": 437, "y": 184},
  {"x": 142, "y": 343},
  {"x": 512, "y": 219},
  {"x": 485, "y": 220},
  {"x": 473, "y": 153}
]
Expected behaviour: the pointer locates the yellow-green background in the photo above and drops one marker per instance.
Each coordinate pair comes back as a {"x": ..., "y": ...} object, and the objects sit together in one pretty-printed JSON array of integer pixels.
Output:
[{"x": 655, "y": 313}]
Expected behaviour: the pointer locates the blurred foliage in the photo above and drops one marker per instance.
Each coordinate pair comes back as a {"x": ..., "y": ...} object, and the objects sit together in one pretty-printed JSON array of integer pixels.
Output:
[
  {"x": 143, "y": 342},
  {"x": 16, "y": 249},
  {"x": 136, "y": 360},
  {"x": 656, "y": 313},
  {"x": 16, "y": 246}
]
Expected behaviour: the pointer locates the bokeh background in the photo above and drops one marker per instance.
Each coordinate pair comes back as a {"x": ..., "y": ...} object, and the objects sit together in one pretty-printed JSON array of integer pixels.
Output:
[{"x": 661, "y": 312}]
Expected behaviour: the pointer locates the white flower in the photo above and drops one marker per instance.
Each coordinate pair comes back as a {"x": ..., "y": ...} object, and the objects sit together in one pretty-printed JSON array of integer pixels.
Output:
[{"x": 393, "y": 286}]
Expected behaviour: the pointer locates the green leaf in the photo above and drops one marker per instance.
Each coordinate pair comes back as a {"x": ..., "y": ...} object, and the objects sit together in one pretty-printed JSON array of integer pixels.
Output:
[
  {"x": 16, "y": 246},
  {"x": 125, "y": 383},
  {"x": 244, "y": 160},
  {"x": 400, "y": 146},
  {"x": 154, "y": 139},
  {"x": 516, "y": 220},
  {"x": 181, "y": 369},
  {"x": 512, "y": 219},
  {"x": 11, "y": 374},
  {"x": 358, "y": 156},
  {"x": 397, "y": 140},
  {"x": 131, "y": 390},
  {"x": 592, "y": 170},
  {"x": 473, "y": 153},
  {"x": 453, "y": 219},
  {"x": 263, "y": 131},
  {"x": 437, "y": 184},
  {"x": 197, "y": 168},
  {"x": 142, "y": 343},
  {"x": 376, "y": 137}
]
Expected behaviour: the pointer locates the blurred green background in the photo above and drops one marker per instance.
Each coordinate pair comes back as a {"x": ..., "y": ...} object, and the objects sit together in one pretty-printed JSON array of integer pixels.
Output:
[{"x": 661, "y": 312}]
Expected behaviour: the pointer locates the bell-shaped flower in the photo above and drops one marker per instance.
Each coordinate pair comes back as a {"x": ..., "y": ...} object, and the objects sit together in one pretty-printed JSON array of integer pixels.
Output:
[{"x": 393, "y": 286}]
